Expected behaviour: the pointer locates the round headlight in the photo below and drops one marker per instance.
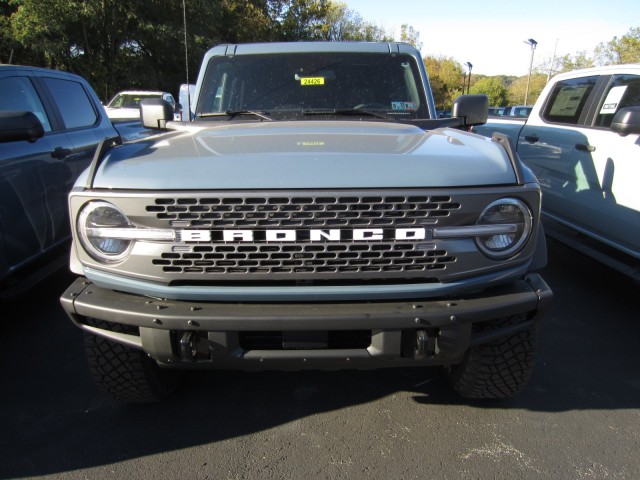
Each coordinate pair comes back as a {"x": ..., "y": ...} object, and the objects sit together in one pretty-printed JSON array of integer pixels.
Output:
[
  {"x": 98, "y": 227},
  {"x": 509, "y": 212}
]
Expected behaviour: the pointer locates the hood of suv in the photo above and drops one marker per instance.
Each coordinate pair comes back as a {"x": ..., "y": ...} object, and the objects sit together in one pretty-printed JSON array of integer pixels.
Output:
[{"x": 304, "y": 155}]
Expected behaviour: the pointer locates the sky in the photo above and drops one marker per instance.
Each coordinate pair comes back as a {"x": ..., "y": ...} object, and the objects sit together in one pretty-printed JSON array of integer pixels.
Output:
[{"x": 491, "y": 34}]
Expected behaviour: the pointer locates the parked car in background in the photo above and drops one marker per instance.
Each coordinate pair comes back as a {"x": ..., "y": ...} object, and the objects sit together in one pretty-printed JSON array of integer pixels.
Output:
[
  {"x": 50, "y": 125},
  {"x": 126, "y": 104},
  {"x": 517, "y": 111},
  {"x": 496, "y": 111},
  {"x": 186, "y": 95}
]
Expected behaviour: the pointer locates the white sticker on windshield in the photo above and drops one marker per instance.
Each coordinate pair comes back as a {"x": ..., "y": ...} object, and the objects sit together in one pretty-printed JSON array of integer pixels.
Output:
[
  {"x": 610, "y": 104},
  {"x": 403, "y": 106}
]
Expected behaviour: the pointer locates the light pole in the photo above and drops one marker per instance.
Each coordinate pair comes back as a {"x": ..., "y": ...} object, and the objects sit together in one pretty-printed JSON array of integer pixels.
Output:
[
  {"x": 553, "y": 59},
  {"x": 469, "y": 66},
  {"x": 533, "y": 44}
]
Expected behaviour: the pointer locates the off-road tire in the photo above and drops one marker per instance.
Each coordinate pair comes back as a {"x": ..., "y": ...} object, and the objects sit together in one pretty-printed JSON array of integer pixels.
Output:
[
  {"x": 500, "y": 368},
  {"x": 127, "y": 374}
]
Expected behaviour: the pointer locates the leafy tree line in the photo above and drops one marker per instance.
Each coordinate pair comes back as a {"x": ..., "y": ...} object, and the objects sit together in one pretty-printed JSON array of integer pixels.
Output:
[
  {"x": 509, "y": 90},
  {"x": 119, "y": 45},
  {"x": 449, "y": 78}
]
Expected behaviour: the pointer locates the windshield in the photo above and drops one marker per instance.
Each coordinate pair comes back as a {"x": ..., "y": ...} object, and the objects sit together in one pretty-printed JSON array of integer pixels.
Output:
[
  {"x": 292, "y": 83},
  {"x": 127, "y": 100}
]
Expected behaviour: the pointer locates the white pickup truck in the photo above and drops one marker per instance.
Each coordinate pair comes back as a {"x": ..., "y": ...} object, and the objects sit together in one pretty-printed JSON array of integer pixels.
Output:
[{"x": 582, "y": 142}]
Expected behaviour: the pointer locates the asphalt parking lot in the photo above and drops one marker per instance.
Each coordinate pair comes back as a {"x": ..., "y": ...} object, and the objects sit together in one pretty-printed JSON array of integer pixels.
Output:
[{"x": 578, "y": 419}]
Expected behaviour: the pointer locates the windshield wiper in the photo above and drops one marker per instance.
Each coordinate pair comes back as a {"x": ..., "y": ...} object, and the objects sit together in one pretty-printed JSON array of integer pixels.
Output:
[
  {"x": 354, "y": 112},
  {"x": 235, "y": 113}
]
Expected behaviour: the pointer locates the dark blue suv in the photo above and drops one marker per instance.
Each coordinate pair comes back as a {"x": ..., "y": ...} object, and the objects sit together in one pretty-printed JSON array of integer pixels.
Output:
[{"x": 50, "y": 125}]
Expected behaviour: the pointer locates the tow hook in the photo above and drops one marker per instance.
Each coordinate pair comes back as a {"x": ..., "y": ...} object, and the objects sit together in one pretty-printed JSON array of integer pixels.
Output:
[
  {"x": 425, "y": 344},
  {"x": 187, "y": 347}
]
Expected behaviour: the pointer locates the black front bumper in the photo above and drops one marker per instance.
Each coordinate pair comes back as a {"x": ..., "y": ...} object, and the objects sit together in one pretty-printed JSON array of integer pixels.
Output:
[{"x": 207, "y": 334}]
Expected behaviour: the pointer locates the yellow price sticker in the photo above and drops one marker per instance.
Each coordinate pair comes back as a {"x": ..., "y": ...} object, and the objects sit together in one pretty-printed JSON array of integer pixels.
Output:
[{"x": 306, "y": 81}]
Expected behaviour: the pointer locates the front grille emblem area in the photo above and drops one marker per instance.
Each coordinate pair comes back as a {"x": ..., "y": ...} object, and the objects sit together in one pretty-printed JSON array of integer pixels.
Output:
[
  {"x": 303, "y": 235},
  {"x": 331, "y": 236}
]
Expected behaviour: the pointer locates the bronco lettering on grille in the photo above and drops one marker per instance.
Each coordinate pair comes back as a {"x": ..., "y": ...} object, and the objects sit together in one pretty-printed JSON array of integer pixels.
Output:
[{"x": 303, "y": 235}]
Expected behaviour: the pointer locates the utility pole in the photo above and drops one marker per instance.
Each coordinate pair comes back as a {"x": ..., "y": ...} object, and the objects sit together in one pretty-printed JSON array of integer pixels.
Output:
[
  {"x": 469, "y": 66},
  {"x": 553, "y": 59},
  {"x": 533, "y": 44}
]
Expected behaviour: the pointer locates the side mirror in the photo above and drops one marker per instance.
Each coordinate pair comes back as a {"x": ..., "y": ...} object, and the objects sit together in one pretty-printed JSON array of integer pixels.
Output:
[
  {"x": 155, "y": 113},
  {"x": 474, "y": 109},
  {"x": 178, "y": 113},
  {"x": 15, "y": 126},
  {"x": 626, "y": 121}
]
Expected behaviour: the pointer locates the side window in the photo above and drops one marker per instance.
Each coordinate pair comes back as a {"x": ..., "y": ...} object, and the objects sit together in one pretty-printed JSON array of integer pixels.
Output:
[
  {"x": 217, "y": 89},
  {"x": 18, "y": 94},
  {"x": 567, "y": 100},
  {"x": 72, "y": 100},
  {"x": 623, "y": 91}
]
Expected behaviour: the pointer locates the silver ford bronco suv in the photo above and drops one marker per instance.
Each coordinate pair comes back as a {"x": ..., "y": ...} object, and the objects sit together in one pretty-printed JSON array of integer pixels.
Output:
[{"x": 316, "y": 214}]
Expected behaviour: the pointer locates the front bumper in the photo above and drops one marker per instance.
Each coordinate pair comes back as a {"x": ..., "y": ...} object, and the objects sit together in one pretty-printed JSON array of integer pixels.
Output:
[{"x": 208, "y": 334}]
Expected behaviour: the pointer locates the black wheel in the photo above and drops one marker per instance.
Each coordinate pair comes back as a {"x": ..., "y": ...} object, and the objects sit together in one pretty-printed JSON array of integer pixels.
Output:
[
  {"x": 128, "y": 374},
  {"x": 497, "y": 369}
]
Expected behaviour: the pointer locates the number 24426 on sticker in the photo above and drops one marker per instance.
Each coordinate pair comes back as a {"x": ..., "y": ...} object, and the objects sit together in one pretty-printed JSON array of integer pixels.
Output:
[{"x": 305, "y": 81}]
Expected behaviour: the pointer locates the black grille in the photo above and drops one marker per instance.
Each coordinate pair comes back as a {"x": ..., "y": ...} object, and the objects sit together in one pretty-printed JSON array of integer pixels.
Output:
[
  {"x": 316, "y": 258},
  {"x": 316, "y": 212},
  {"x": 383, "y": 258}
]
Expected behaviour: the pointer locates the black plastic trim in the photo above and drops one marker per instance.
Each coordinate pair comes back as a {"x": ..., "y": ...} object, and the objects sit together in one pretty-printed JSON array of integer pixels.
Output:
[
  {"x": 85, "y": 299},
  {"x": 98, "y": 156},
  {"x": 507, "y": 144}
]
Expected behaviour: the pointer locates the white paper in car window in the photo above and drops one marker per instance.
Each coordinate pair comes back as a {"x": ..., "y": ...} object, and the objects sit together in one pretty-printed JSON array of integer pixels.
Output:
[{"x": 610, "y": 104}]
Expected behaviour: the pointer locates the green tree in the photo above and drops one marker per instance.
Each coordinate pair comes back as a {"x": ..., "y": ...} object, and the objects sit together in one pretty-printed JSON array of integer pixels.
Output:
[
  {"x": 343, "y": 24},
  {"x": 10, "y": 48},
  {"x": 518, "y": 87},
  {"x": 117, "y": 45},
  {"x": 493, "y": 88},
  {"x": 565, "y": 63},
  {"x": 40, "y": 27},
  {"x": 625, "y": 49},
  {"x": 446, "y": 79},
  {"x": 410, "y": 35},
  {"x": 300, "y": 19},
  {"x": 575, "y": 62}
]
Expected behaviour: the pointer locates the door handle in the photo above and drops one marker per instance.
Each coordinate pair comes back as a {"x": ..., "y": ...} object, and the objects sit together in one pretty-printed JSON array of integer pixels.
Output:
[
  {"x": 60, "y": 152},
  {"x": 531, "y": 138},
  {"x": 585, "y": 148}
]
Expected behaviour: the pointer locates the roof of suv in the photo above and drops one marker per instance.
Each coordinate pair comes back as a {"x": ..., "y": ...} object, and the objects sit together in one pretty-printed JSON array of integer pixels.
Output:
[
  {"x": 25, "y": 69},
  {"x": 140, "y": 92}
]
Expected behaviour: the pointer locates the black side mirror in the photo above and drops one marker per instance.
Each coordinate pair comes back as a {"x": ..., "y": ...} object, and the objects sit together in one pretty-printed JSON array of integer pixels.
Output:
[
  {"x": 15, "y": 126},
  {"x": 474, "y": 109},
  {"x": 626, "y": 121},
  {"x": 155, "y": 113}
]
